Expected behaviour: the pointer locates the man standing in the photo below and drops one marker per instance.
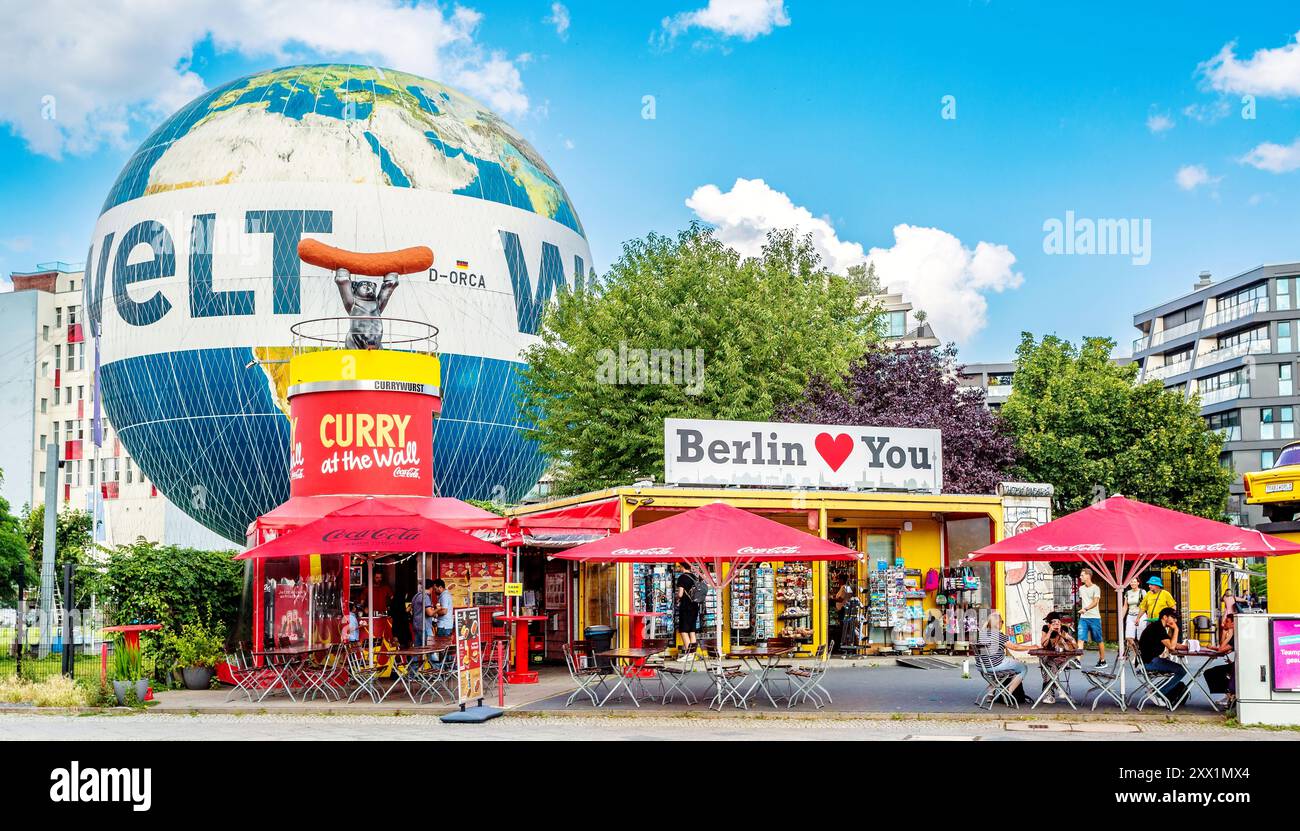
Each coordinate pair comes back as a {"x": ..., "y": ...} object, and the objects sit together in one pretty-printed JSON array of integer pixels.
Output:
[
  {"x": 1090, "y": 615},
  {"x": 688, "y": 609},
  {"x": 446, "y": 604},
  {"x": 422, "y": 612},
  {"x": 1156, "y": 600}
]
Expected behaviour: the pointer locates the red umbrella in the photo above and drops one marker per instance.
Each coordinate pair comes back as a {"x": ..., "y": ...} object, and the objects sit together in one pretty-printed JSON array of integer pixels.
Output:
[
  {"x": 1119, "y": 538},
  {"x": 711, "y": 534},
  {"x": 367, "y": 528}
]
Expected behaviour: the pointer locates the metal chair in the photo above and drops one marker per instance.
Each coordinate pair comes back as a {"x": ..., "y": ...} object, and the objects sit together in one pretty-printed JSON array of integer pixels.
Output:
[
  {"x": 1203, "y": 629},
  {"x": 1149, "y": 684},
  {"x": 365, "y": 674},
  {"x": 246, "y": 674},
  {"x": 678, "y": 673},
  {"x": 728, "y": 679},
  {"x": 588, "y": 676},
  {"x": 809, "y": 686},
  {"x": 999, "y": 683}
]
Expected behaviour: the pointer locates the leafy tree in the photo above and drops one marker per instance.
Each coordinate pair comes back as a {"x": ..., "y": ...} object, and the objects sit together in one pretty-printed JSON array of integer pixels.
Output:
[
  {"x": 1085, "y": 426},
  {"x": 763, "y": 326},
  {"x": 150, "y": 583},
  {"x": 916, "y": 388},
  {"x": 14, "y": 559},
  {"x": 73, "y": 543}
]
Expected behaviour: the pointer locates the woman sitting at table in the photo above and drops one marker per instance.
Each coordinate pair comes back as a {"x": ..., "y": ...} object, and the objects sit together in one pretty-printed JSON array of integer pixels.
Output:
[
  {"x": 1219, "y": 678},
  {"x": 1057, "y": 638},
  {"x": 992, "y": 657}
]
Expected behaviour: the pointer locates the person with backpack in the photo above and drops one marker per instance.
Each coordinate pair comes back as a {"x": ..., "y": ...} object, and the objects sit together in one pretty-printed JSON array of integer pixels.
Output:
[{"x": 691, "y": 592}]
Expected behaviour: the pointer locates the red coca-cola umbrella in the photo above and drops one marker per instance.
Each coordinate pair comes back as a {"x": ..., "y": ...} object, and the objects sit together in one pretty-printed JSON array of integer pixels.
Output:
[
  {"x": 712, "y": 534},
  {"x": 1119, "y": 538},
  {"x": 370, "y": 528}
]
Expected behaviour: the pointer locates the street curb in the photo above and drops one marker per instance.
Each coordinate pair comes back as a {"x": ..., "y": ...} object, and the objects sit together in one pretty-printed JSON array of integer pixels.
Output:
[{"x": 1101, "y": 718}]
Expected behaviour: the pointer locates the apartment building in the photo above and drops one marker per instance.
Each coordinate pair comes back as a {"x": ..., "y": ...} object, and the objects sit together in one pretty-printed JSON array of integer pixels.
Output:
[
  {"x": 46, "y": 397},
  {"x": 1233, "y": 343}
]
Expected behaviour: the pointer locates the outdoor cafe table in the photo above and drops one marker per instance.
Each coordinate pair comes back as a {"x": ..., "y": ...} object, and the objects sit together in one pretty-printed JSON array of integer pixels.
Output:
[
  {"x": 418, "y": 654},
  {"x": 521, "y": 673},
  {"x": 1195, "y": 677},
  {"x": 636, "y": 636},
  {"x": 632, "y": 659},
  {"x": 285, "y": 663},
  {"x": 1054, "y": 670},
  {"x": 765, "y": 658}
]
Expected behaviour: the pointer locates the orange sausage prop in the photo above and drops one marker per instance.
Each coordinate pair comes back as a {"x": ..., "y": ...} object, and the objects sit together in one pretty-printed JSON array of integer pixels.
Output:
[{"x": 402, "y": 261}]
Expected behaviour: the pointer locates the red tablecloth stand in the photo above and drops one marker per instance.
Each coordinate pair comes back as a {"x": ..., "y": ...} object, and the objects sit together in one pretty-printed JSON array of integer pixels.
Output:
[
  {"x": 636, "y": 638},
  {"x": 131, "y": 637},
  {"x": 521, "y": 674}
]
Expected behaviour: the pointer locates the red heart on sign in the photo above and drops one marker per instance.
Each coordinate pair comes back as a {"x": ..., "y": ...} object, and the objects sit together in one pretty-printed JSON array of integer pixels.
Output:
[{"x": 834, "y": 449}]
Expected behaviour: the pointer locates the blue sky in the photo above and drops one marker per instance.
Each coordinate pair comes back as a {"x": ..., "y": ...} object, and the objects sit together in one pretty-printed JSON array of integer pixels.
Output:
[{"x": 836, "y": 107}]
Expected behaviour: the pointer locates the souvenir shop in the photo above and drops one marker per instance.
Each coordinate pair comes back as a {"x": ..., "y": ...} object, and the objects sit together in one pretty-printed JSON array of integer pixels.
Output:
[{"x": 912, "y": 574}]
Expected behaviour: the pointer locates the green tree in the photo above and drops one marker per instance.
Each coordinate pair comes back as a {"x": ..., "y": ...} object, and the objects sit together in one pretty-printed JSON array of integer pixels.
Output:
[
  {"x": 1083, "y": 424},
  {"x": 759, "y": 328},
  {"x": 14, "y": 558},
  {"x": 73, "y": 543}
]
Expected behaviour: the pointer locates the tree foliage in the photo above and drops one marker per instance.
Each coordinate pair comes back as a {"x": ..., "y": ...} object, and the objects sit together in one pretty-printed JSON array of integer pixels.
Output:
[
  {"x": 15, "y": 562},
  {"x": 1084, "y": 425},
  {"x": 764, "y": 326},
  {"x": 916, "y": 388}
]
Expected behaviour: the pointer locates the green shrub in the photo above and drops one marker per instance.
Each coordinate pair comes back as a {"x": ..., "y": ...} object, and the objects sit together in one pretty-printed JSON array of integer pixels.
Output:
[{"x": 197, "y": 645}]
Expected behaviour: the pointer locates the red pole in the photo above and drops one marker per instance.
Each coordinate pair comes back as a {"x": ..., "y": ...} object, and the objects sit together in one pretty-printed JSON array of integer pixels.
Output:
[
  {"x": 103, "y": 662},
  {"x": 501, "y": 676}
]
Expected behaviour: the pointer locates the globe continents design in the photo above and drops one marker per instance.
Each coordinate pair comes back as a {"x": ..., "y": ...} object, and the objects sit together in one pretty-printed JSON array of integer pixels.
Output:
[{"x": 193, "y": 282}]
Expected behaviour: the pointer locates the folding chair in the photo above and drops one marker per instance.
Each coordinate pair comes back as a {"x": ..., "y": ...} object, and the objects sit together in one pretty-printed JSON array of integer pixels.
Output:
[
  {"x": 365, "y": 675},
  {"x": 1149, "y": 684},
  {"x": 677, "y": 674},
  {"x": 1103, "y": 683},
  {"x": 999, "y": 684},
  {"x": 589, "y": 677},
  {"x": 728, "y": 679},
  {"x": 246, "y": 674},
  {"x": 808, "y": 684}
]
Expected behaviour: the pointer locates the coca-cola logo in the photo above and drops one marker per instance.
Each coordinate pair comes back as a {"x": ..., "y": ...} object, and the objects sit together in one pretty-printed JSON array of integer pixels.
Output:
[
  {"x": 776, "y": 549},
  {"x": 391, "y": 534},
  {"x": 642, "y": 552},
  {"x": 1082, "y": 546},
  {"x": 1213, "y": 546}
]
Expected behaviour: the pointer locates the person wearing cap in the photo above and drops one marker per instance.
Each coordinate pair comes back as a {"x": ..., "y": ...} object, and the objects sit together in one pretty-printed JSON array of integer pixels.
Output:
[{"x": 1155, "y": 601}]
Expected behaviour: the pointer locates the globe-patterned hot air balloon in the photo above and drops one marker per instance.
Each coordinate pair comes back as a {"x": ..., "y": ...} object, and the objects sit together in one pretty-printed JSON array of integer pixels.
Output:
[{"x": 193, "y": 280}]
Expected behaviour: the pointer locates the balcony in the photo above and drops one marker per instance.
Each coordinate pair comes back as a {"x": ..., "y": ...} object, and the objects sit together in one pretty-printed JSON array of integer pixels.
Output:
[
  {"x": 1237, "y": 350},
  {"x": 1166, "y": 335},
  {"x": 1236, "y": 312},
  {"x": 1160, "y": 373},
  {"x": 1218, "y": 396},
  {"x": 1141, "y": 343}
]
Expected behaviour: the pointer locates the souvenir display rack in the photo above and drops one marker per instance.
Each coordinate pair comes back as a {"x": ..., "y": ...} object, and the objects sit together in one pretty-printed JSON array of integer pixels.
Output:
[
  {"x": 653, "y": 590},
  {"x": 794, "y": 600},
  {"x": 751, "y": 604}
]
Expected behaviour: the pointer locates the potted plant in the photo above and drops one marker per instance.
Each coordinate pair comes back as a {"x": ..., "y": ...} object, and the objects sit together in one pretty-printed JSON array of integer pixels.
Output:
[
  {"x": 198, "y": 650},
  {"x": 125, "y": 672}
]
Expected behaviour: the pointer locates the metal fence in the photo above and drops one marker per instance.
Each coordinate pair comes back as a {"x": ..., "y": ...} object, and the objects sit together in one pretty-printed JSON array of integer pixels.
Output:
[{"x": 42, "y": 639}]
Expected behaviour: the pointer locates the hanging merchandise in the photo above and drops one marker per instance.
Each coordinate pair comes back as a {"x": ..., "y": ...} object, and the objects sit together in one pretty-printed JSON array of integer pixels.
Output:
[{"x": 794, "y": 594}]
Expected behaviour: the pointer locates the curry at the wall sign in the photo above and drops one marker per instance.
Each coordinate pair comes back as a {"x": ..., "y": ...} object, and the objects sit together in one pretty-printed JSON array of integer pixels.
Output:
[{"x": 361, "y": 442}]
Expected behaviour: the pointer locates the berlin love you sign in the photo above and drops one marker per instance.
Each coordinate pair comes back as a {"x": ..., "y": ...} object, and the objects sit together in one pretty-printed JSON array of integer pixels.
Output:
[{"x": 704, "y": 452}]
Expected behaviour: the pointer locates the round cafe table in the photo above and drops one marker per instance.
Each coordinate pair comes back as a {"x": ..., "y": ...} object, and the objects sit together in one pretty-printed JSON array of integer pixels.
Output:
[{"x": 521, "y": 674}]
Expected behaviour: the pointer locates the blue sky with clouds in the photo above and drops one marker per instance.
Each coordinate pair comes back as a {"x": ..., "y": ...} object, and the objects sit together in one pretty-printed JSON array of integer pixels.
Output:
[{"x": 827, "y": 116}]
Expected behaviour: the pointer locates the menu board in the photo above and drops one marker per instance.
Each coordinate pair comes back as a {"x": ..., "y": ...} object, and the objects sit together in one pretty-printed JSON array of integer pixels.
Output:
[
  {"x": 466, "y": 576},
  {"x": 1285, "y": 640},
  {"x": 469, "y": 656}
]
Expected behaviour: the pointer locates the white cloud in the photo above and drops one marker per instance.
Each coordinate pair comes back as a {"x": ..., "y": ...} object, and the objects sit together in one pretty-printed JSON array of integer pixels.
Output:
[
  {"x": 940, "y": 275},
  {"x": 745, "y": 19},
  {"x": 1273, "y": 73},
  {"x": 931, "y": 267},
  {"x": 1193, "y": 176},
  {"x": 108, "y": 69},
  {"x": 1207, "y": 113},
  {"x": 1275, "y": 158},
  {"x": 1159, "y": 123},
  {"x": 559, "y": 18},
  {"x": 744, "y": 215}
]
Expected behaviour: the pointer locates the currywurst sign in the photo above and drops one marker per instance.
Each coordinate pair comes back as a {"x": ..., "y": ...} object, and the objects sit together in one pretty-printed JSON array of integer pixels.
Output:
[{"x": 700, "y": 452}]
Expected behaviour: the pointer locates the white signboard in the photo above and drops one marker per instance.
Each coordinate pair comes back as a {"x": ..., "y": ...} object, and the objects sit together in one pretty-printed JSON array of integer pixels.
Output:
[{"x": 702, "y": 452}]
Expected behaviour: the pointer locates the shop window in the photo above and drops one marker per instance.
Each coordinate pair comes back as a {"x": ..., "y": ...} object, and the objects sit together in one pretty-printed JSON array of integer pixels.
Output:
[
  {"x": 600, "y": 582},
  {"x": 964, "y": 537}
]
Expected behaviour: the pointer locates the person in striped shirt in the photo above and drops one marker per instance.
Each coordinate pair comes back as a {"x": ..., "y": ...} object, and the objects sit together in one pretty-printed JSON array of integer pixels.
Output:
[{"x": 991, "y": 656}]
